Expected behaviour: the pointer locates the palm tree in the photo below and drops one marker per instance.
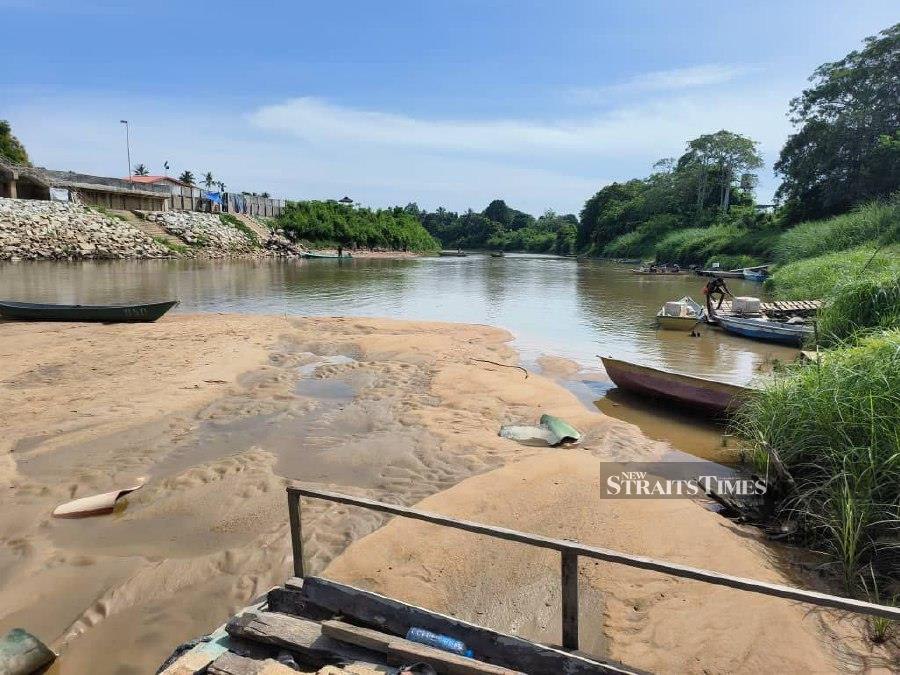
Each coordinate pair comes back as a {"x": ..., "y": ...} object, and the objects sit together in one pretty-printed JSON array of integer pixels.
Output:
[
  {"x": 208, "y": 179},
  {"x": 186, "y": 177},
  {"x": 221, "y": 186},
  {"x": 141, "y": 170}
]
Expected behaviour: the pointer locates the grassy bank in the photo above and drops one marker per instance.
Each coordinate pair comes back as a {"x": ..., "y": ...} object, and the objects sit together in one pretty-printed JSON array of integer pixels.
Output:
[
  {"x": 834, "y": 427},
  {"x": 329, "y": 224}
]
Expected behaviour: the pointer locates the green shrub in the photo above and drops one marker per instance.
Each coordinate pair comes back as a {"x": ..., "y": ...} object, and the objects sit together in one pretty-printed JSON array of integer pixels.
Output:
[
  {"x": 174, "y": 247},
  {"x": 732, "y": 261},
  {"x": 332, "y": 224},
  {"x": 859, "y": 306},
  {"x": 819, "y": 277},
  {"x": 862, "y": 225},
  {"x": 695, "y": 245},
  {"x": 635, "y": 244},
  {"x": 834, "y": 427}
]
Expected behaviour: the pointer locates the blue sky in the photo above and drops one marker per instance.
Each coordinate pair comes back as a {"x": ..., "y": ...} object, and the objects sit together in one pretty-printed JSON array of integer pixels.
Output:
[{"x": 439, "y": 102}]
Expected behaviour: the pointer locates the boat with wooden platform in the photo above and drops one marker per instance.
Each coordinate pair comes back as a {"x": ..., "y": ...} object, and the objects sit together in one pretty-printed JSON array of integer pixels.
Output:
[
  {"x": 738, "y": 273},
  {"x": 323, "y": 624},
  {"x": 662, "y": 270},
  {"x": 755, "y": 275},
  {"x": 452, "y": 254},
  {"x": 765, "y": 329},
  {"x": 498, "y": 254},
  {"x": 681, "y": 314},
  {"x": 30, "y": 311},
  {"x": 688, "y": 391}
]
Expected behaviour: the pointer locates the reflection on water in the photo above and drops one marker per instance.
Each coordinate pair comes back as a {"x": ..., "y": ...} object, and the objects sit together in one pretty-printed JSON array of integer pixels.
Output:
[{"x": 571, "y": 308}]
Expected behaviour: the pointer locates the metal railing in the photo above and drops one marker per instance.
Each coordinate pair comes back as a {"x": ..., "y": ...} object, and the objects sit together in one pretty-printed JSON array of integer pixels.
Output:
[{"x": 569, "y": 553}]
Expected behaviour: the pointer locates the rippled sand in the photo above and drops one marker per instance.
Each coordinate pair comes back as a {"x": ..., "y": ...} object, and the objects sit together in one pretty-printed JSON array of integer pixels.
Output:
[{"x": 218, "y": 412}]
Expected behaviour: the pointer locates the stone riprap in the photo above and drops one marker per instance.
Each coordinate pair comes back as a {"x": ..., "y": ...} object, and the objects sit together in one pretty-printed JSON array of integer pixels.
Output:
[
  {"x": 204, "y": 232},
  {"x": 43, "y": 230}
]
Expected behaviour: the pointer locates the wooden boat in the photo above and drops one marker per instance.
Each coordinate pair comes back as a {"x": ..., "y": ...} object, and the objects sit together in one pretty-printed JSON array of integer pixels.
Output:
[
  {"x": 725, "y": 274},
  {"x": 313, "y": 254},
  {"x": 29, "y": 311},
  {"x": 322, "y": 622},
  {"x": 453, "y": 254},
  {"x": 686, "y": 390},
  {"x": 498, "y": 254},
  {"x": 755, "y": 275},
  {"x": 765, "y": 329},
  {"x": 682, "y": 314},
  {"x": 658, "y": 271}
]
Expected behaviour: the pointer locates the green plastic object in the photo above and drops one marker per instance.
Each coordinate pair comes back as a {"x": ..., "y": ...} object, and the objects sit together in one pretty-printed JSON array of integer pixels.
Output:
[
  {"x": 552, "y": 430},
  {"x": 22, "y": 654}
]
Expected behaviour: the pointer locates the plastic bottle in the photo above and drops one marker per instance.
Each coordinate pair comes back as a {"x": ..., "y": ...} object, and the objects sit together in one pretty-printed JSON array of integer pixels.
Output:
[{"x": 445, "y": 642}]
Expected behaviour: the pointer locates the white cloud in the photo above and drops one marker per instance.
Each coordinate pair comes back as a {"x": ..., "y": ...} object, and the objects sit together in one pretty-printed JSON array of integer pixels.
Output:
[
  {"x": 651, "y": 128},
  {"x": 677, "y": 79},
  {"x": 307, "y": 148}
]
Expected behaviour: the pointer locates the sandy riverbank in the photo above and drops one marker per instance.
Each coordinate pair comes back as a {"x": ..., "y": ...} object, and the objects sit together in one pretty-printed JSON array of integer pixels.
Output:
[{"x": 219, "y": 411}]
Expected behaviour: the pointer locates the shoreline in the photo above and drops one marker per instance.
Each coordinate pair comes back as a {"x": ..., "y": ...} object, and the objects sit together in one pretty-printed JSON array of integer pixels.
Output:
[{"x": 220, "y": 411}]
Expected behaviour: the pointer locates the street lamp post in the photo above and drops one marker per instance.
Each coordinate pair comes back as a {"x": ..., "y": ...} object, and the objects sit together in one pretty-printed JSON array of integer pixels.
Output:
[{"x": 128, "y": 149}]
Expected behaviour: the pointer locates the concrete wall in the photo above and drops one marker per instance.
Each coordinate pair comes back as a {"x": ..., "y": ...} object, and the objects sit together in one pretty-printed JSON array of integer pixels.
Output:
[{"x": 122, "y": 201}]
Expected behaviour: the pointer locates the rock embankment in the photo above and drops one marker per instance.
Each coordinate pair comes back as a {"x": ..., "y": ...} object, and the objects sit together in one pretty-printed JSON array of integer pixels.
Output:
[
  {"x": 205, "y": 233},
  {"x": 43, "y": 230}
]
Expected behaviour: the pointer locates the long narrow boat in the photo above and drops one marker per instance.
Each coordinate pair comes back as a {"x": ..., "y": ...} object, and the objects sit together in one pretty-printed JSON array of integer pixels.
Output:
[
  {"x": 685, "y": 390},
  {"x": 765, "y": 329},
  {"x": 29, "y": 311},
  {"x": 755, "y": 275},
  {"x": 453, "y": 254},
  {"x": 313, "y": 254}
]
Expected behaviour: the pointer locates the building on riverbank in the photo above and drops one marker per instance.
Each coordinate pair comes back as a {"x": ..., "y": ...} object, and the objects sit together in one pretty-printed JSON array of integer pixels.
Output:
[{"x": 27, "y": 182}]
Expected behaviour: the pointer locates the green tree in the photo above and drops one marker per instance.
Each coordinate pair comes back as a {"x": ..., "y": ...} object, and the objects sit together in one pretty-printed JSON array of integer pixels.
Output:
[
  {"x": 141, "y": 170},
  {"x": 844, "y": 152},
  {"x": 729, "y": 156},
  {"x": 10, "y": 146},
  {"x": 499, "y": 212},
  {"x": 208, "y": 180},
  {"x": 187, "y": 177}
]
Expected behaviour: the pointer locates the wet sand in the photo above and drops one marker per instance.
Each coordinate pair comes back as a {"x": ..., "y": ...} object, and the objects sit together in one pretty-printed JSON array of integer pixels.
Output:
[{"x": 218, "y": 412}]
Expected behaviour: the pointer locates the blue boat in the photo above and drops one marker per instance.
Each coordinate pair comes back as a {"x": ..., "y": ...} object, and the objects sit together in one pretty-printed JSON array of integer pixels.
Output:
[
  {"x": 766, "y": 330},
  {"x": 755, "y": 275}
]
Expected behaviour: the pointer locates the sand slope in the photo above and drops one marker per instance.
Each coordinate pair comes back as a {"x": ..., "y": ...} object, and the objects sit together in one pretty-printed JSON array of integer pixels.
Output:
[{"x": 218, "y": 412}]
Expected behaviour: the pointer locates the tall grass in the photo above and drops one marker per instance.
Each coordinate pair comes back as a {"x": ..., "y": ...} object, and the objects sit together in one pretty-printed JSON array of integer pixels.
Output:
[
  {"x": 819, "y": 277},
  {"x": 834, "y": 426},
  {"x": 863, "y": 225},
  {"x": 865, "y": 304},
  {"x": 695, "y": 245}
]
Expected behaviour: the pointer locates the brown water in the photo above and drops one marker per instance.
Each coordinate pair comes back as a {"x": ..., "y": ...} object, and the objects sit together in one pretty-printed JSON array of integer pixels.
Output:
[
  {"x": 577, "y": 309},
  {"x": 562, "y": 306}
]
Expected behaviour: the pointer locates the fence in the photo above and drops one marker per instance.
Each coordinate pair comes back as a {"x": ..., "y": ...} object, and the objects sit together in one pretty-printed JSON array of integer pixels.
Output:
[
  {"x": 569, "y": 553},
  {"x": 231, "y": 203}
]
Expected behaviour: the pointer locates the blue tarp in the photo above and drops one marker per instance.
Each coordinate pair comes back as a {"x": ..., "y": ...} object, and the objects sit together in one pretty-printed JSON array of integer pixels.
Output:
[{"x": 214, "y": 197}]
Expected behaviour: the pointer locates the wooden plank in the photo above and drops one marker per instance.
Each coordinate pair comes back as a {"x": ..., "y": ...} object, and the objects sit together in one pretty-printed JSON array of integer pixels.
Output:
[
  {"x": 569, "y": 572},
  {"x": 296, "y": 532},
  {"x": 608, "y": 555},
  {"x": 403, "y": 652},
  {"x": 232, "y": 664},
  {"x": 295, "y": 634},
  {"x": 397, "y": 617},
  {"x": 390, "y": 644}
]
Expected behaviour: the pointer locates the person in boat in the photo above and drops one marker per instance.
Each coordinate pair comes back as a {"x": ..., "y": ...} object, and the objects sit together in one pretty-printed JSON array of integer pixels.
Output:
[{"x": 715, "y": 287}]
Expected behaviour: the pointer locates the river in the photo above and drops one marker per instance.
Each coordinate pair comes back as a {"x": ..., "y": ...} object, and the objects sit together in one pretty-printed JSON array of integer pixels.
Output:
[{"x": 564, "y": 307}]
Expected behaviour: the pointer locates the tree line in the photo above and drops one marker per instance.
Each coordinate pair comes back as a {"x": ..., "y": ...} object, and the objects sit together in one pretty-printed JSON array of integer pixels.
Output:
[
  {"x": 845, "y": 152},
  {"x": 500, "y": 227}
]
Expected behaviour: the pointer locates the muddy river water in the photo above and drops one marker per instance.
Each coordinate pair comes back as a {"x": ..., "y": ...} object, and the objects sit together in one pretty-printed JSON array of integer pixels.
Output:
[{"x": 575, "y": 309}]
